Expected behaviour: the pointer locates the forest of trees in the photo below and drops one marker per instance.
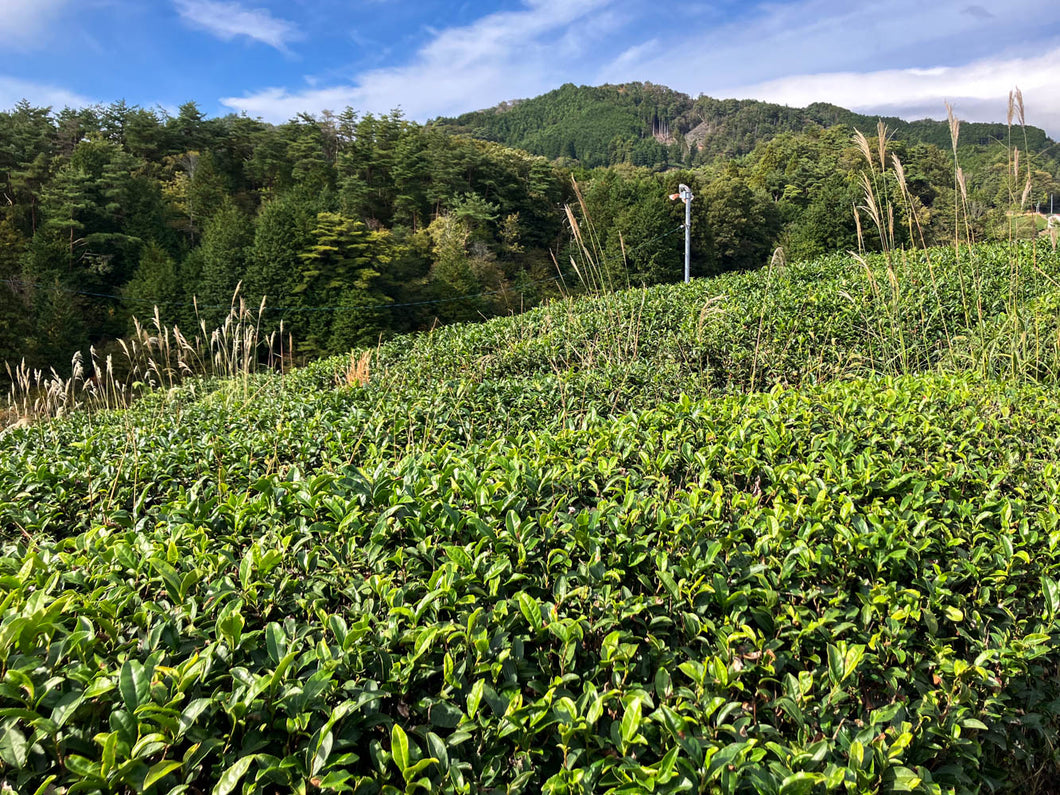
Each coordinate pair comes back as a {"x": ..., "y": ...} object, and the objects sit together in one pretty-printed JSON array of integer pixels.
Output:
[
  {"x": 358, "y": 227},
  {"x": 341, "y": 222},
  {"x": 654, "y": 126}
]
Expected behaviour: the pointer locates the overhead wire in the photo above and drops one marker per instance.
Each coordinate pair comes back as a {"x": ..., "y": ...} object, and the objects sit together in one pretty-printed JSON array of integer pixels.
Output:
[{"x": 327, "y": 308}]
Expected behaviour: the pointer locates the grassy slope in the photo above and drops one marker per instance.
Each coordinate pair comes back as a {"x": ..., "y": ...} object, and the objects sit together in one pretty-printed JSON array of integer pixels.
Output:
[{"x": 680, "y": 534}]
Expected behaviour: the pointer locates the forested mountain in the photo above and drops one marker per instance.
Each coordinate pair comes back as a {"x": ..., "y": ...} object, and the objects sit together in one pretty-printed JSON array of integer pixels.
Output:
[
  {"x": 595, "y": 126},
  {"x": 654, "y": 126},
  {"x": 355, "y": 228}
]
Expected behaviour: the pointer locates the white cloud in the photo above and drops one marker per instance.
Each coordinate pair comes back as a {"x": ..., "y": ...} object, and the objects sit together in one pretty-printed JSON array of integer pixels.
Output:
[
  {"x": 978, "y": 91},
  {"x": 635, "y": 55},
  {"x": 226, "y": 20},
  {"x": 771, "y": 40},
  {"x": 899, "y": 60},
  {"x": 278, "y": 105},
  {"x": 902, "y": 59},
  {"x": 23, "y": 23},
  {"x": 13, "y": 90},
  {"x": 504, "y": 55}
]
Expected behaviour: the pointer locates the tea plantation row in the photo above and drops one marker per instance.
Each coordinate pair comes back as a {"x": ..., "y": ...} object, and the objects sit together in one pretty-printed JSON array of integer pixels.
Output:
[
  {"x": 572, "y": 551},
  {"x": 850, "y": 587},
  {"x": 993, "y": 310}
]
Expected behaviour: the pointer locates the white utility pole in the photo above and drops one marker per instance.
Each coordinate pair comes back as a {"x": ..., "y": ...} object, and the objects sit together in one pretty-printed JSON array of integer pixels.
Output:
[{"x": 685, "y": 194}]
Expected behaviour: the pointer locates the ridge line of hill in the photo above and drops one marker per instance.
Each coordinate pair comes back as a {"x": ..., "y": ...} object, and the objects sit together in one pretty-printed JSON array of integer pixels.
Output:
[{"x": 652, "y": 125}]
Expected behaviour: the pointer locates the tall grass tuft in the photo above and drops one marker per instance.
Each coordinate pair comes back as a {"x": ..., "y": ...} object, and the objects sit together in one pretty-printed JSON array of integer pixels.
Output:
[
  {"x": 588, "y": 259},
  {"x": 1019, "y": 343},
  {"x": 881, "y": 182},
  {"x": 154, "y": 357}
]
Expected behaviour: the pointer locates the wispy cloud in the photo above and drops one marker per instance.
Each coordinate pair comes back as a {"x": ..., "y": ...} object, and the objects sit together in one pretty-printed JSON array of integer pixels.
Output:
[
  {"x": 228, "y": 20},
  {"x": 916, "y": 54},
  {"x": 771, "y": 40},
  {"x": 23, "y": 23},
  {"x": 13, "y": 90},
  {"x": 978, "y": 91},
  {"x": 978, "y": 12},
  {"x": 278, "y": 104},
  {"x": 501, "y": 56}
]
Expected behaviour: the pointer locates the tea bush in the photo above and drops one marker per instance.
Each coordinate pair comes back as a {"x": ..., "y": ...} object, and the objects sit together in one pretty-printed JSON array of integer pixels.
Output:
[{"x": 699, "y": 538}]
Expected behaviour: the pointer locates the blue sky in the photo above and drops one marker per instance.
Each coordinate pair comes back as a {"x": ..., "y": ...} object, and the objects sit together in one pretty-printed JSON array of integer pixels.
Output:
[{"x": 275, "y": 59}]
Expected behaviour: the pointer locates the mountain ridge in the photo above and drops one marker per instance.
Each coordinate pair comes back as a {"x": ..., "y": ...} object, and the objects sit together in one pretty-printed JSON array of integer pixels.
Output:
[{"x": 652, "y": 125}]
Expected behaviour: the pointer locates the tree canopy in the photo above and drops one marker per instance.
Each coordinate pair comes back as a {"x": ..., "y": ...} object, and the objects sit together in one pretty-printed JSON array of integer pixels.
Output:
[{"x": 355, "y": 227}]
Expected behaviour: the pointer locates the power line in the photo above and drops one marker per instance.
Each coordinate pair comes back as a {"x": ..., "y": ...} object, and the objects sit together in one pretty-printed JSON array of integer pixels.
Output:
[
  {"x": 339, "y": 308},
  {"x": 128, "y": 299}
]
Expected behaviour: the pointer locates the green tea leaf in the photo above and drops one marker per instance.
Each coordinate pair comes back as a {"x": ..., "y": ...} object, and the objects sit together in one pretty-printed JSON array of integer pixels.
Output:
[
  {"x": 1051, "y": 592},
  {"x": 668, "y": 583},
  {"x": 437, "y": 749},
  {"x": 276, "y": 642},
  {"x": 134, "y": 685},
  {"x": 630, "y": 725},
  {"x": 191, "y": 713},
  {"x": 857, "y": 755},
  {"x": 905, "y": 780},
  {"x": 159, "y": 771},
  {"x": 399, "y": 747},
  {"x": 14, "y": 748},
  {"x": 799, "y": 783},
  {"x": 66, "y": 707},
  {"x": 323, "y": 751},
  {"x": 531, "y": 610},
  {"x": 474, "y": 698},
  {"x": 231, "y": 777}
]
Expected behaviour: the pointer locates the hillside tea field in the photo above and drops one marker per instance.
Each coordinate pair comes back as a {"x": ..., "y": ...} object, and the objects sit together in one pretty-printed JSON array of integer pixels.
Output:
[{"x": 791, "y": 532}]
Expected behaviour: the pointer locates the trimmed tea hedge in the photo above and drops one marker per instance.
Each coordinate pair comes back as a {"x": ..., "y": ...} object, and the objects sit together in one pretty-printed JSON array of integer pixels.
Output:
[{"x": 851, "y": 587}]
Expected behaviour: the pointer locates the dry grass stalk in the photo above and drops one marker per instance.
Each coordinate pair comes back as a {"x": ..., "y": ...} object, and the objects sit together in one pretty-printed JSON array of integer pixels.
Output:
[
  {"x": 881, "y": 141},
  {"x": 870, "y": 199},
  {"x": 913, "y": 220},
  {"x": 592, "y": 272},
  {"x": 963, "y": 185},
  {"x": 955, "y": 128},
  {"x": 1015, "y": 107},
  {"x": 874, "y": 188},
  {"x": 776, "y": 262},
  {"x": 358, "y": 373},
  {"x": 154, "y": 358},
  {"x": 890, "y": 224},
  {"x": 884, "y": 224},
  {"x": 866, "y": 150},
  {"x": 911, "y": 203},
  {"x": 586, "y": 277},
  {"x": 959, "y": 186},
  {"x": 859, "y": 258},
  {"x": 861, "y": 233},
  {"x": 892, "y": 278},
  {"x": 899, "y": 174},
  {"x": 712, "y": 308}
]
